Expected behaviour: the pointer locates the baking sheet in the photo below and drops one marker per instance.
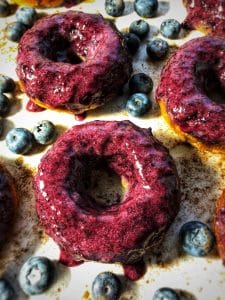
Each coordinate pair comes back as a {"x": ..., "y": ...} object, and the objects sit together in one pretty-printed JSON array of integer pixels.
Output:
[{"x": 202, "y": 180}]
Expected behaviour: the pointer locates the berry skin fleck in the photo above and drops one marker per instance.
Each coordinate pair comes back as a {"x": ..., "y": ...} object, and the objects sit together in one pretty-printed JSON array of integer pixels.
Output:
[
  {"x": 4, "y": 8},
  {"x": 6, "y": 291},
  {"x": 140, "y": 83},
  {"x": 157, "y": 49},
  {"x": 19, "y": 140},
  {"x": 170, "y": 28},
  {"x": 140, "y": 28},
  {"x": 4, "y": 105},
  {"x": 44, "y": 132},
  {"x": 7, "y": 84},
  {"x": 26, "y": 15},
  {"x": 146, "y": 8},
  {"x": 132, "y": 41},
  {"x": 138, "y": 104},
  {"x": 114, "y": 8},
  {"x": 106, "y": 286},
  {"x": 165, "y": 294},
  {"x": 36, "y": 275},
  {"x": 196, "y": 238},
  {"x": 14, "y": 31}
]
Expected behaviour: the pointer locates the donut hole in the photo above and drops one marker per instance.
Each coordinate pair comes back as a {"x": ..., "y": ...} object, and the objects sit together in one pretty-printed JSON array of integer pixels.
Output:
[
  {"x": 100, "y": 187},
  {"x": 59, "y": 49},
  {"x": 210, "y": 83}
]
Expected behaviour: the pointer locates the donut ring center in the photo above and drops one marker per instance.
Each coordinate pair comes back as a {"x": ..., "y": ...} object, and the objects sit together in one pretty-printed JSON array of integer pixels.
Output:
[
  {"x": 99, "y": 185},
  {"x": 209, "y": 82}
]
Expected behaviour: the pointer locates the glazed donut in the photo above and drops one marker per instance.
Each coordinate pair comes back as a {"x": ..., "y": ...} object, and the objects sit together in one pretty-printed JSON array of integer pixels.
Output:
[
  {"x": 8, "y": 203},
  {"x": 185, "y": 90},
  {"x": 72, "y": 61},
  {"x": 45, "y": 3},
  {"x": 219, "y": 226},
  {"x": 206, "y": 15},
  {"x": 85, "y": 230}
]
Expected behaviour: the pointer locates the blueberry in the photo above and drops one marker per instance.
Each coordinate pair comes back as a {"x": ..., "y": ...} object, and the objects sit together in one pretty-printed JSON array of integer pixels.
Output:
[
  {"x": 146, "y": 8},
  {"x": 157, "y": 49},
  {"x": 19, "y": 140},
  {"x": 7, "y": 84},
  {"x": 170, "y": 28},
  {"x": 165, "y": 294},
  {"x": 36, "y": 275},
  {"x": 140, "y": 28},
  {"x": 4, "y": 104},
  {"x": 4, "y": 8},
  {"x": 196, "y": 238},
  {"x": 44, "y": 132},
  {"x": 106, "y": 286},
  {"x": 132, "y": 41},
  {"x": 138, "y": 104},
  {"x": 140, "y": 83},
  {"x": 1, "y": 126},
  {"x": 6, "y": 291},
  {"x": 14, "y": 31},
  {"x": 26, "y": 15},
  {"x": 114, "y": 8}
]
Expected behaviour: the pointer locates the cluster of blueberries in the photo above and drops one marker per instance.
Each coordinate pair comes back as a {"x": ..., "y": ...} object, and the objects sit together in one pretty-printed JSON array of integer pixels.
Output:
[
  {"x": 21, "y": 140},
  {"x": 25, "y": 16},
  {"x": 140, "y": 84},
  {"x": 38, "y": 273}
]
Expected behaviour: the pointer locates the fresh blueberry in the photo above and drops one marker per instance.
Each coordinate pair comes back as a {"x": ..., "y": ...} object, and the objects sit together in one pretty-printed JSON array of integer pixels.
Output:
[
  {"x": 19, "y": 140},
  {"x": 26, "y": 15},
  {"x": 165, "y": 294},
  {"x": 170, "y": 28},
  {"x": 146, "y": 8},
  {"x": 36, "y": 275},
  {"x": 7, "y": 84},
  {"x": 4, "y": 104},
  {"x": 157, "y": 49},
  {"x": 106, "y": 286},
  {"x": 196, "y": 238},
  {"x": 114, "y": 8},
  {"x": 14, "y": 31},
  {"x": 138, "y": 104},
  {"x": 6, "y": 291},
  {"x": 4, "y": 8},
  {"x": 140, "y": 28},
  {"x": 132, "y": 41},
  {"x": 44, "y": 132},
  {"x": 140, "y": 83}
]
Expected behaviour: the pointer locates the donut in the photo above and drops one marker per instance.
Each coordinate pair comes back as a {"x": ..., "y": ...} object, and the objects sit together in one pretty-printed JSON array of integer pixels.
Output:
[
  {"x": 207, "y": 16},
  {"x": 8, "y": 203},
  {"x": 87, "y": 230},
  {"x": 72, "y": 61},
  {"x": 219, "y": 226},
  {"x": 186, "y": 92},
  {"x": 45, "y": 3}
]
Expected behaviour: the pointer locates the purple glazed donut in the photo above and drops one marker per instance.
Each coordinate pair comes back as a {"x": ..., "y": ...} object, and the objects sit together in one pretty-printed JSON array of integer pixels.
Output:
[
  {"x": 122, "y": 232},
  {"x": 72, "y": 61},
  {"x": 185, "y": 92},
  {"x": 206, "y": 15},
  {"x": 8, "y": 203}
]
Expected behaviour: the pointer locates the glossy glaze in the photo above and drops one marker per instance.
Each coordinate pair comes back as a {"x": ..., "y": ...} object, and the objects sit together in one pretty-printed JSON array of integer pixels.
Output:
[
  {"x": 183, "y": 90},
  {"x": 206, "y": 15},
  {"x": 72, "y": 61},
  {"x": 83, "y": 229}
]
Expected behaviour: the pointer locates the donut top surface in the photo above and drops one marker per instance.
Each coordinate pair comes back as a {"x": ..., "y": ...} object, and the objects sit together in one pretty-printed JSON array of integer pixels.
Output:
[
  {"x": 185, "y": 89},
  {"x": 72, "y": 61},
  {"x": 121, "y": 232},
  {"x": 206, "y": 15},
  {"x": 8, "y": 201}
]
